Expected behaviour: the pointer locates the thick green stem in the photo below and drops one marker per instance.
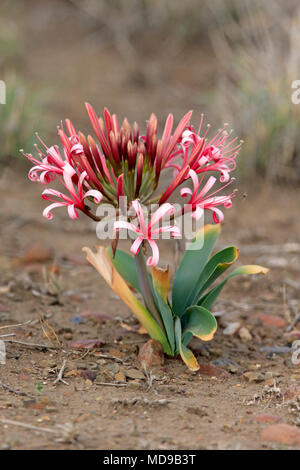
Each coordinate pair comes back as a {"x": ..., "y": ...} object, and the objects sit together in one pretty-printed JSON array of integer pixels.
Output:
[{"x": 146, "y": 287}]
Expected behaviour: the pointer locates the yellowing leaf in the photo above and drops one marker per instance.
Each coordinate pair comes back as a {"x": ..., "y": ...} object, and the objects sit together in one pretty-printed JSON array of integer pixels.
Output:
[
  {"x": 102, "y": 262},
  {"x": 161, "y": 281},
  {"x": 200, "y": 322},
  {"x": 252, "y": 269},
  {"x": 185, "y": 353}
]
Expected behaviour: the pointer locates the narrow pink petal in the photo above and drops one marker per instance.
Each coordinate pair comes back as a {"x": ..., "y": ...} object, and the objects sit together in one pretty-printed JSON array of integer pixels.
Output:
[
  {"x": 218, "y": 215},
  {"x": 97, "y": 128},
  {"x": 108, "y": 121},
  {"x": 127, "y": 225},
  {"x": 94, "y": 194},
  {"x": 202, "y": 161},
  {"x": 135, "y": 247},
  {"x": 198, "y": 213},
  {"x": 167, "y": 132},
  {"x": 185, "y": 191},
  {"x": 187, "y": 137},
  {"x": 175, "y": 183},
  {"x": 68, "y": 174},
  {"x": 47, "y": 212},
  {"x": 80, "y": 182},
  {"x": 139, "y": 212},
  {"x": 53, "y": 192},
  {"x": 33, "y": 173},
  {"x": 77, "y": 149},
  {"x": 90, "y": 172},
  {"x": 104, "y": 166},
  {"x": 70, "y": 127},
  {"x": 173, "y": 229},
  {"x": 194, "y": 178},
  {"x": 196, "y": 153},
  {"x": 153, "y": 260},
  {"x": 66, "y": 143},
  {"x": 207, "y": 187},
  {"x": 228, "y": 203},
  {"x": 225, "y": 175},
  {"x": 159, "y": 214},
  {"x": 115, "y": 124},
  {"x": 55, "y": 157},
  {"x": 46, "y": 177},
  {"x": 69, "y": 171},
  {"x": 73, "y": 214},
  {"x": 139, "y": 172},
  {"x": 177, "y": 134}
]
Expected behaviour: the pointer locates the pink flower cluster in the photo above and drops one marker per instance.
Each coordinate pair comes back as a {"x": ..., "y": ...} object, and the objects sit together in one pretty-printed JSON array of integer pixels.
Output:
[{"x": 125, "y": 163}]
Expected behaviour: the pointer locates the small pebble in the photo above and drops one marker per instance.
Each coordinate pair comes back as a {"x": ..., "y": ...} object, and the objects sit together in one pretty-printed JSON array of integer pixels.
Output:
[
  {"x": 245, "y": 334},
  {"x": 231, "y": 328}
]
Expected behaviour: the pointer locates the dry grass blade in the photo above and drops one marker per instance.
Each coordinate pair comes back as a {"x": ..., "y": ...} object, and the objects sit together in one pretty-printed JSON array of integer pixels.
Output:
[
  {"x": 16, "y": 325},
  {"x": 49, "y": 331}
]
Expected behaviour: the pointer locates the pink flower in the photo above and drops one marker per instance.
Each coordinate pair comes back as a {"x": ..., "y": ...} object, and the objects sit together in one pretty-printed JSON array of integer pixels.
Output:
[
  {"x": 202, "y": 155},
  {"x": 46, "y": 169},
  {"x": 148, "y": 232},
  {"x": 75, "y": 199},
  {"x": 201, "y": 200},
  {"x": 52, "y": 162}
]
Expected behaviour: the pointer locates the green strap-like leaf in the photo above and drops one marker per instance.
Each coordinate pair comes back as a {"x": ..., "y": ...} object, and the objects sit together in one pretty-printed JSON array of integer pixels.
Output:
[
  {"x": 186, "y": 354},
  {"x": 126, "y": 267},
  {"x": 213, "y": 269},
  {"x": 187, "y": 337},
  {"x": 200, "y": 322},
  {"x": 191, "y": 266},
  {"x": 208, "y": 299},
  {"x": 167, "y": 318}
]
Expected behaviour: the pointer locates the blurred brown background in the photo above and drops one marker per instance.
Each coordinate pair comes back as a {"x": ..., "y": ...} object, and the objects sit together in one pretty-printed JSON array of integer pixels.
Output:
[{"x": 234, "y": 60}]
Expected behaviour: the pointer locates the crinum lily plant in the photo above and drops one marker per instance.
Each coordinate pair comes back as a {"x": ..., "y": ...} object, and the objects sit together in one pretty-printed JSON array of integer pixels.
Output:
[{"x": 121, "y": 164}]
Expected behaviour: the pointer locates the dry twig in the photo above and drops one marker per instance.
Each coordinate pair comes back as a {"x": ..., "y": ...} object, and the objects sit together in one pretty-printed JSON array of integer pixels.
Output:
[
  {"x": 113, "y": 358},
  {"x": 31, "y": 345},
  {"x": 111, "y": 384},
  {"x": 17, "y": 392},
  {"x": 61, "y": 373},
  {"x": 28, "y": 426}
]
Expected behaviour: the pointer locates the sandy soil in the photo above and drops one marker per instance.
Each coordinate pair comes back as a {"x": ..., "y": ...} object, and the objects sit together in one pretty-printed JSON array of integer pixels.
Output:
[{"x": 213, "y": 409}]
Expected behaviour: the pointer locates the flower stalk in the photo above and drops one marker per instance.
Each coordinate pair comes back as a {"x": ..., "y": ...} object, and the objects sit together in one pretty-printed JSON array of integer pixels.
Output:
[{"x": 146, "y": 287}]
